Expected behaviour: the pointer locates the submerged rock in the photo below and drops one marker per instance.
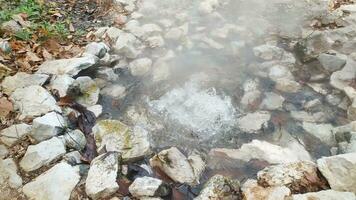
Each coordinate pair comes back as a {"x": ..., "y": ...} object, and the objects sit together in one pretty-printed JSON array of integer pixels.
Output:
[
  {"x": 147, "y": 186},
  {"x": 33, "y": 101},
  {"x": 21, "y": 80},
  {"x": 55, "y": 184},
  {"x": 70, "y": 66},
  {"x": 299, "y": 177},
  {"x": 253, "y": 191},
  {"x": 340, "y": 171},
  {"x": 114, "y": 91},
  {"x": 220, "y": 187},
  {"x": 272, "y": 101},
  {"x": 140, "y": 67},
  {"x": 102, "y": 175},
  {"x": 11, "y": 135},
  {"x": 322, "y": 131},
  {"x": 47, "y": 126},
  {"x": 10, "y": 181},
  {"x": 177, "y": 166},
  {"x": 254, "y": 122},
  {"x": 112, "y": 135},
  {"x": 324, "y": 195},
  {"x": 42, "y": 153}
]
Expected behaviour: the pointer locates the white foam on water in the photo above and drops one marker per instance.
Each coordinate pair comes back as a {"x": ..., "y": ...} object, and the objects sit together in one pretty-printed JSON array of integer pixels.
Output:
[{"x": 201, "y": 110}]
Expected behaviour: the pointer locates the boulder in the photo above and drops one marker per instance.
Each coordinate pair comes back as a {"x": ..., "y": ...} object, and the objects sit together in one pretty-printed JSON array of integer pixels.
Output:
[
  {"x": 254, "y": 122},
  {"x": 220, "y": 187},
  {"x": 332, "y": 62},
  {"x": 324, "y": 195},
  {"x": 299, "y": 177},
  {"x": 47, "y": 126},
  {"x": 33, "y": 101},
  {"x": 21, "y": 80},
  {"x": 178, "y": 167},
  {"x": 55, "y": 184},
  {"x": 89, "y": 91},
  {"x": 112, "y": 135},
  {"x": 10, "y": 181},
  {"x": 61, "y": 83},
  {"x": 261, "y": 150},
  {"x": 13, "y": 134},
  {"x": 147, "y": 186},
  {"x": 253, "y": 191},
  {"x": 340, "y": 171},
  {"x": 102, "y": 175},
  {"x": 42, "y": 153},
  {"x": 70, "y": 66},
  {"x": 140, "y": 67},
  {"x": 322, "y": 131}
]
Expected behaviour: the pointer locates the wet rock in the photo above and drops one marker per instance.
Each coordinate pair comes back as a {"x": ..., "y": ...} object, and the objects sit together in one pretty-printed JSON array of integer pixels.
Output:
[
  {"x": 70, "y": 66},
  {"x": 322, "y": 131},
  {"x": 147, "y": 186},
  {"x": 254, "y": 122},
  {"x": 332, "y": 62},
  {"x": 268, "y": 52},
  {"x": 96, "y": 109},
  {"x": 140, "y": 67},
  {"x": 55, "y": 184},
  {"x": 272, "y": 101},
  {"x": 41, "y": 154},
  {"x": 309, "y": 117},
  {"x": 10, "y": 181},
  {"x": 284, "y": 79},
  {"x": 178, "y": 167},
  {"x": 61, "y": 83},
  {"x": 113, "y": 33},
  {"x": 317, "y": 43},
  {"x": 107, "y": 74},
  {"x": 14, "y": 133},
  {"x": 250, "y": 98},
  {"x": 299, "y": 177},
  {"x": 324, "y": 195},
  {"x": 128, "y": 45},
  {"x": 75, "y": 140},
  {"x": 112, "y": 135},
  {"x": 261, "y": 150},
  {"x": 88, "y": 89},
  {"x": 21, "y": 80},
  {"x": 3, "y": 151},
  {"x": 33, "y": 101},
  {"x": 47, "y": 126},
  {"x": 220, "y": 187},
  {"x": 96, "y": 49},
  {"x": 340, "y": 171},
  {"x": 114, "y": 91},
  {"x": 341, "y": 79},
  {"x": 253, "y": 191},
  {"x": 102, "y": 175},
  {"x": 73, "y": 158},
  {"x": 11, "y": 26}
]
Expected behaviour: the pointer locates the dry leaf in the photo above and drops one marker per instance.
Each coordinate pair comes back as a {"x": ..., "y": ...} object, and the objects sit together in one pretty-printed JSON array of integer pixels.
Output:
[
  {"x": 46, "y": 55},
  {"x": 32, "y": 57},
  {"x": 5, "y": 107}
]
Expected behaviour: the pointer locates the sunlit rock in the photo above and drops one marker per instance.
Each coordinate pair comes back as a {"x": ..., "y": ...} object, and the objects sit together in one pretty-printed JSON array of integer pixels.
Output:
[
  {"x": 253, "y": 191},
  {"x": 21, "y": 80},
  {"x": 220, "y": 187},
  {"x": 13, "y": 134}
]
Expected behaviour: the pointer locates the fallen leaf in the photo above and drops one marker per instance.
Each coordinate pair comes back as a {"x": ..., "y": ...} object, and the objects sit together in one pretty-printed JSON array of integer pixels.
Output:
[
  {"x": 46, "y": 55},
  {"x": 32, "y": 57},
  {"x": 5, "y": 107}
]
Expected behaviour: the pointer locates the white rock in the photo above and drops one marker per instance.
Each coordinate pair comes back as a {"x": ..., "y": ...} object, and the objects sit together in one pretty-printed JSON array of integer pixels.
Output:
[
  {"x": 340, "y": 171},
  {"x": 99, "y": 33},
  {"x": 148, "y": 186},
  {"x": 253, "y": 191},
  {"x": 21, "y": 80},
  {"x": 220, "y": 187},
  {"x": 55, "y": 184},
  {"x": 33, "y": 101},
  {"x": 70, "y": 66},
  {"x": 113, "y": 33},
  {"x": 102, "y": 175},
  {"x": 116, "y": 136},
  {"x": 41, "y": 154},
  {"x": 10, "y": 181},
  {"x": 128, "y": 45},
  {"x": 173, "y": 163},
  {"x": 155, "y": 41},
  {"x": 322, "y": 131},
  {"x": 61, "y": 84},
  {"x": 14, "y": 133},
  {"x": 47, "y": 126},
  {"x": 3, "y": 151},
  {"x": 342, "y": 78},
  {"x": 331, "y": 62},
  {"x": 89, "y": 90},
  {"x": 272, "y": 101},
  {"x": 284, "y": 79},
  {"x": 254, "y": 122},
  {"x": 75, "y": 140},
  {"x": 96, "y": 109},
  {"x": 114, "y": 91},
  {"x": 299, "y": 177},
  {"x": 140, "y": 67},
  {"x": 96, "y": 49},
  {"x": 261, "y": 150},
  {"x": 309, "y": 117},
  {"x": 324, "y": 195}
]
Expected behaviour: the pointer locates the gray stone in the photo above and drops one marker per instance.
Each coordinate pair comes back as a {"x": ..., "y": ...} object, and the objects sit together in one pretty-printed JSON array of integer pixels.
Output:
[
  {"x": 113, "y": 33},
  {"x": 21, "y": 80},
  {"x": 253, "y": 191},
  {"x": 272, "y": 101},
  {"x": 148, "y": 186},
  {"x": 324, "y": 195},
  {"x": 128, "y": 45},
  {"x": 268, "y": 52},
  {"x": 61, "y": 84},
  {"x": 41, "y": 154},
  {"x": 10, "y": 181},
  {"x": 140, "y": 67},
  {"x": 304, "y": 116},
  {"x": 33, "y": 101},
  {"x": 5, "y": 46},
  {"x": 220, "y": 187},
  {"x": 11, "y": 26},
  {"x": 284, "y": 79},
  {"x": 254, "y": 122},
  {"x": 102, "y": 175},
  {"x": 114, "y": 91},
  {"x": 331, "y": 62},
  {"x": 107, "y": 74},
  {"x": 14, "y": 134},
  {"x": 340, "y": 171},
  {"x": 55, "y": 184},
  {"x": 322, "y": 131},
  {"x": 96, "y": 49},
  {"x": 96, "y": 109},
  {"x": 341, "y": 79},
  {"x": 70, "y": 66},
  {"x": 75, "y": 140},
  {"x": 3, "y": 151},
  {"x": 89, "y": 91},
  {"x": 47, "y": 126}
]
